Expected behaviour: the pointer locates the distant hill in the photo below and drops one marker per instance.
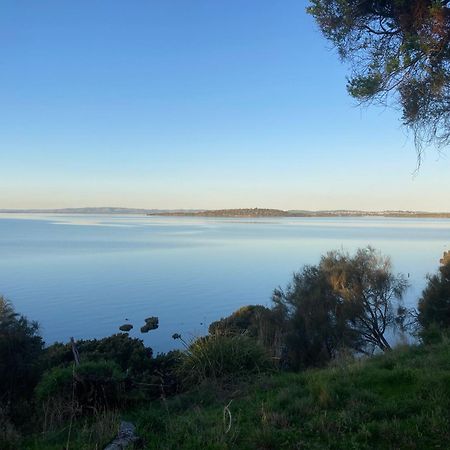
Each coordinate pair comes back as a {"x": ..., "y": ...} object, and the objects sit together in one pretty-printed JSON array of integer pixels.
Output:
[{"x": 95, "y": 210}]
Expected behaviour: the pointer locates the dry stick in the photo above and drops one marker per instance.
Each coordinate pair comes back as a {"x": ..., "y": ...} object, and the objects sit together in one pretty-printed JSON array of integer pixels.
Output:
[
  {"x": 227, "y": 412},
  {"x": 163, "y": 395},
  {"x": 76, "y": 355}
]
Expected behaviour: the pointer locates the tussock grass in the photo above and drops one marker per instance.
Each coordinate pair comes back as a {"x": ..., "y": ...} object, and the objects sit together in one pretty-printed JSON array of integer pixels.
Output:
[{"x": 220, "y": 356}]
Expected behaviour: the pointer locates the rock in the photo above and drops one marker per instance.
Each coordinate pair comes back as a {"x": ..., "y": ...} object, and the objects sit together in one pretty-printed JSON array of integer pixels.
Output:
[
  {"x": 126, "y": 327},
  {"x": 151, "y": 323},
  {"x": 125, "y": 437}
]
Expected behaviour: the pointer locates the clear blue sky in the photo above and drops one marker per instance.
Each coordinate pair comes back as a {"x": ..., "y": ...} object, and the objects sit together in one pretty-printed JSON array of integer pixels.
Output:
[{"x": 193, "y": 104}]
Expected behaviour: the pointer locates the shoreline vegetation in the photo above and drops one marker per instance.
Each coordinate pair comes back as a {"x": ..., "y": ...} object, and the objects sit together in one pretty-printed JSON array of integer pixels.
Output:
[
  {"x": 235, "y": 212},
  {"x": 313, "y": 371}
]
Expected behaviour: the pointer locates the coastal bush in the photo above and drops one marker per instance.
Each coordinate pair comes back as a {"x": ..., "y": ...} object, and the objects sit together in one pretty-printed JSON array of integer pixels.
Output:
[
  {"x": 344, "y": 302},
  {"x": 246, "y": 319},
  {"x": 264, "y": 324},
  {"x": 21, "y": 349},
  {"x": 146, "y": 375},
  {"x": 434, "y": 304},
  {"x": 130, "y": 354},
  {"x": 165, "y": 375},
  {"x": 219, "y": 355}
]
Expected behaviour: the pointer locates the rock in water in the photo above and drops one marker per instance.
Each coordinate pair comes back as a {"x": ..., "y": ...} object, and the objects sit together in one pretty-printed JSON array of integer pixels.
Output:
[
  {"x": 151, "y": 323},
  {"x": 126, "y": 327}
]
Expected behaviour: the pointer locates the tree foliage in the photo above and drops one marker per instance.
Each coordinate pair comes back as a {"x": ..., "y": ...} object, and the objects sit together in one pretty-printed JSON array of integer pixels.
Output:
[
  {"x": 369, "y": 291},
  {"x": 343, "y": 302},
  {"x": 316, "y": 325},
  {"x": 399, "y": 47},
  {"x": 434, "y": 305}
]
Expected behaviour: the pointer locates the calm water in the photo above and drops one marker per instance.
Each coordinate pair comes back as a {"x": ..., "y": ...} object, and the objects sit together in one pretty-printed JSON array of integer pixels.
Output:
[{"x": 82, "y": 275}]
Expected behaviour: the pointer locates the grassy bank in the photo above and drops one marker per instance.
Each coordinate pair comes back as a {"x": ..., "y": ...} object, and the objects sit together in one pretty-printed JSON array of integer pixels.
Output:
[{"x": 400, "y": 400}]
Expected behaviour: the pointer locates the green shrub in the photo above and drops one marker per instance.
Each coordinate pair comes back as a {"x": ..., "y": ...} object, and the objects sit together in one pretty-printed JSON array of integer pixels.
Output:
[
  {"x": 128, "y": 353},
  {"x": 92, "y": 386},
  {"x": 264, "y": 324},
  {"x": 95, "y": 379},
  {"x": 245, "y": 319},
  {"x": 146, "y": 375},
  {"x": 55, "y": 383},
  {"x": 222, "y": 355},
  {"x": 20, "y": 350}
]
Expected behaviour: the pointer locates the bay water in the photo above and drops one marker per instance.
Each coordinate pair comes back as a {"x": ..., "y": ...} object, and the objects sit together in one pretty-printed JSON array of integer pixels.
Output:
[{"x": 85, "y": 275}]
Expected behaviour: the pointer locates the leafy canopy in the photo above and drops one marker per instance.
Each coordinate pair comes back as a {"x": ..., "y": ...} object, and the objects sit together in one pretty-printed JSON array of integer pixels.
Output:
[{"x": 398, "y": 47}]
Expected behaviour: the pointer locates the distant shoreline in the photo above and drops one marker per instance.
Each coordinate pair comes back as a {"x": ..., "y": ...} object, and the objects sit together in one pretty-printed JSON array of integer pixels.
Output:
[
  {"x": 234, "y": 213},
  {"x": 256, "y": 212}
]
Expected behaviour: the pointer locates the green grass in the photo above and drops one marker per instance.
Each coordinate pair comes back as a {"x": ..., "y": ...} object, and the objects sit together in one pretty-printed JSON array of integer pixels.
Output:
[
  {"x": 395, "y": 401},
  {"x": 400, "y": 400}
]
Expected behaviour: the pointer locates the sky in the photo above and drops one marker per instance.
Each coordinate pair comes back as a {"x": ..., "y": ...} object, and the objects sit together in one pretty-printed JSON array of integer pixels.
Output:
[{"x": 193, "y": 104}]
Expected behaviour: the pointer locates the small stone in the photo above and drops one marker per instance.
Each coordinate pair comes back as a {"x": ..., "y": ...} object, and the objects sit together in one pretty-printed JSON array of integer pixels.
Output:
[{"x": 126, "y": 327}]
